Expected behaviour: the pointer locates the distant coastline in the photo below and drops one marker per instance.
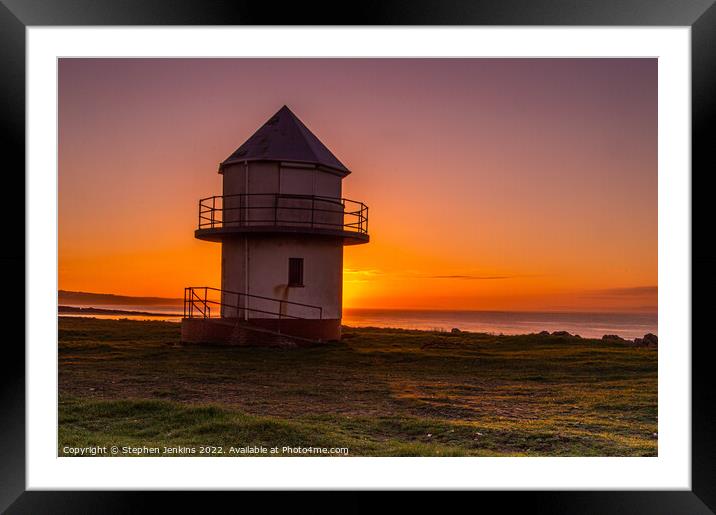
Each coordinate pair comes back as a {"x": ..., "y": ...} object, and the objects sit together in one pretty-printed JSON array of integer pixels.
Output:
[
  {"x": 73, "y": 310},
  {"x": 80, "y": 297}
]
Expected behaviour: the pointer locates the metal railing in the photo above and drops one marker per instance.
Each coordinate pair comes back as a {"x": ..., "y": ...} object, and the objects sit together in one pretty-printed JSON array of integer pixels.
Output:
[
  {"x": 283, "y": 210},
  {"x": 198, "y": 302}
]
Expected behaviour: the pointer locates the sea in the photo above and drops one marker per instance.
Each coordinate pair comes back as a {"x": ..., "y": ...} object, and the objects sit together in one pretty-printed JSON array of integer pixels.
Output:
[{"x": 588, "y": 325}]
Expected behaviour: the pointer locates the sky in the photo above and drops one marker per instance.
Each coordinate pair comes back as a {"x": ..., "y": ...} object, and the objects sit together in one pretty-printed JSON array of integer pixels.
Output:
[{"x": 493, "y": 184}]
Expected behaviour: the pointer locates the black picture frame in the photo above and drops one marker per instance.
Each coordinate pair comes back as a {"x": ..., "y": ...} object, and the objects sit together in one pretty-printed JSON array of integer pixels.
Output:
[{"x": 17, "y": 15}]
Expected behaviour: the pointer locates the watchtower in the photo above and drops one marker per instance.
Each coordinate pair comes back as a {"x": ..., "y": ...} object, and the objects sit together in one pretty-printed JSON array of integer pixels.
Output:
[{"x": 282, "y": 223}]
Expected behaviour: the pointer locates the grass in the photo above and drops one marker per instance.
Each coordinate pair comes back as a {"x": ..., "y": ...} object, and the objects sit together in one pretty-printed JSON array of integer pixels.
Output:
[{"x": 379, "y": 392}]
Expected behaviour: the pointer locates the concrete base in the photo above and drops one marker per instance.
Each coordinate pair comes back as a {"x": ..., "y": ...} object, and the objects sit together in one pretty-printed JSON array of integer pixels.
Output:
[{"x": 263, "y": 332}]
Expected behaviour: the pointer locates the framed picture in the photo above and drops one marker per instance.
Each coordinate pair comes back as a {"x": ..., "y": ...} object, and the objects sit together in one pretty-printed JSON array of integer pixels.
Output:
[{"x": 440, "y": 253}]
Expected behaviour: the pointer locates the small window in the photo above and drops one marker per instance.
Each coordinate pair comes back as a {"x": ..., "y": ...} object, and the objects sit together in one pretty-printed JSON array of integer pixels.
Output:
[{"x": 295, "y": 271}]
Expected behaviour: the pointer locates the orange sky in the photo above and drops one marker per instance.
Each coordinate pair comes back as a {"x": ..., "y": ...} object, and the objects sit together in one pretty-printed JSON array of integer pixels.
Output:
[{"x": 492, "y": 184}]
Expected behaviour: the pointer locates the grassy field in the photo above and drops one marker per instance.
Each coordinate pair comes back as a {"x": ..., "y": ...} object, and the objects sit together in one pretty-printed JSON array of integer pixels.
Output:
[{"x": 379, "y": 392}]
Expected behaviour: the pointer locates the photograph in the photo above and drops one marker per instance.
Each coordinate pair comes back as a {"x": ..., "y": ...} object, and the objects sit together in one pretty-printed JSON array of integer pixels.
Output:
[
  {"x": 444, "y": 240},
  {"x": 357, "y": 257}
]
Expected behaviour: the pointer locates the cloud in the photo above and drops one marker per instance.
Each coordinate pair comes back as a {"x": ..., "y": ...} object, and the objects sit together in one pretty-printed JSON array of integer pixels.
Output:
[
  {"x": 358, "y": 274},
  {"x": 362, "y": 271},
  {"x": 471, "y": 277},
  {"x": 621, "y": 293}
]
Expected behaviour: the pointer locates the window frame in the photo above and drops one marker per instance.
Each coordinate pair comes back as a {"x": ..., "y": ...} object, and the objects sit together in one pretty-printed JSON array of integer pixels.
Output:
[{"x": 292, "y": 272}]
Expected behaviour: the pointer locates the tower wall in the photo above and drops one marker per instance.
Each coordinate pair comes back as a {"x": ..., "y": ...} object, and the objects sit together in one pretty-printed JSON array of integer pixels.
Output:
[
  {"x": 258, "y": 265},
  {"x": 274, "y": 177}
]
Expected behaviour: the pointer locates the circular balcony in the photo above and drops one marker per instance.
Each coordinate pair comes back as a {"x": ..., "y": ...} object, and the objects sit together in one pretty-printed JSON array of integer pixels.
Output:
[{"x": 264, "y": 213}]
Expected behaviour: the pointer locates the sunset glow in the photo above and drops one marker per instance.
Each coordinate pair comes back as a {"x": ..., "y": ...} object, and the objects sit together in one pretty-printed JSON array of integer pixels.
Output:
[{"x": 493, "y": 184}]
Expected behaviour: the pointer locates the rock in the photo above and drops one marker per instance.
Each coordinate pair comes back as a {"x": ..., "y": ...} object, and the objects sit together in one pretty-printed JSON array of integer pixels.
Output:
[
  {"x": 560, "y": 333},
  {"x": 613, "y": 338},
  {"x": 455, "y": 330},
  {"x": 543, "y": 333},
  {"x": 651, "y": 340}
]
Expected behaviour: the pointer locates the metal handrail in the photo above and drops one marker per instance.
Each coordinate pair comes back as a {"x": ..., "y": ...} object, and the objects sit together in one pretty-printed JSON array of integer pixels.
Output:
[
  {"x": 354, "y": 214},
  {"x": 193, "y": 300}
]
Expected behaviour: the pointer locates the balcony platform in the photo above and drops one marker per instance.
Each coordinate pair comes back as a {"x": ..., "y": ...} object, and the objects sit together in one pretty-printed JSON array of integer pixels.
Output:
[
  {"x": 220, "y": 233},
  {"x": 227, "y": 216}
]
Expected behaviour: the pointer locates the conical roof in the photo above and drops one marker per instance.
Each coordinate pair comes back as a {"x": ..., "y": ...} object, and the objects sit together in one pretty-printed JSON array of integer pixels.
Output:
[{"x": 285, "y": 138}]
